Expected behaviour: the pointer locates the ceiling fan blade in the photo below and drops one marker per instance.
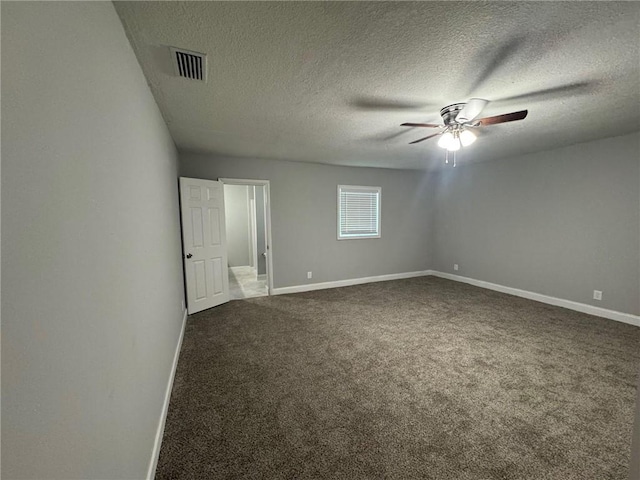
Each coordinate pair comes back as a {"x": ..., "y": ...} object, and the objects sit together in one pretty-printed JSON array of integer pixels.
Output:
[
  {"x": 390, "y": 104},
  {"x": 428, "y": 125},
  {"x": 490, "y": 60},
  {"x": 570, "y": 89},
  {"x": 471, "y": 110},
  {"x": 507, "y": 117},
  {"x": 425, "y": 138}
]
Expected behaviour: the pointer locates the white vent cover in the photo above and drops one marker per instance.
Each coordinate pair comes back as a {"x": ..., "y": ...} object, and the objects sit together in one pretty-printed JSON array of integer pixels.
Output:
[{"x": 189, "y": 64}]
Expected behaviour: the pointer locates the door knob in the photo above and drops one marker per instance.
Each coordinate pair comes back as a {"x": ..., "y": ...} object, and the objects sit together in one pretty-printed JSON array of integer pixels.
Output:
[{"x": 189, "y": 255}]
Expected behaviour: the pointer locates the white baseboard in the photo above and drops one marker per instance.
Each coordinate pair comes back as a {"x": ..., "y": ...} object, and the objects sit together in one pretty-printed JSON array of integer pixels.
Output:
[
  {"x": 153, "y": 462},
  {"x": 346, "y": 283},
  {"x": 559, "y": 302}
]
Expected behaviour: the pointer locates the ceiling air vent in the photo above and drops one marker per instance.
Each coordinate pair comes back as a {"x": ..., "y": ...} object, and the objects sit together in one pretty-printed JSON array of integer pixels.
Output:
[{"x": 188, "y": 64}]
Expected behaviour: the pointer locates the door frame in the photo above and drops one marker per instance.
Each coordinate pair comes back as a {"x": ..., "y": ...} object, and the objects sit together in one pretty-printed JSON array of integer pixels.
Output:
[{"x": 267, "y": 192}]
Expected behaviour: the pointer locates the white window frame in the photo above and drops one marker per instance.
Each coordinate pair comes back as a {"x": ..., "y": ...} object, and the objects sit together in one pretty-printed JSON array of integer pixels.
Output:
[{"x": 377, "y": 190}]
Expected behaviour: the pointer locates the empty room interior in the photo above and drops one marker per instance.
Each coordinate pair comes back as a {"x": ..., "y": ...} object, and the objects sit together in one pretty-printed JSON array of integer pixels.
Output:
[{"x": 320, "y": 240}]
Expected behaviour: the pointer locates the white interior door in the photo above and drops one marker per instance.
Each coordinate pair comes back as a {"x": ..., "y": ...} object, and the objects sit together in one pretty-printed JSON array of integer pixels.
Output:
[{"x": 204, "y": 242}]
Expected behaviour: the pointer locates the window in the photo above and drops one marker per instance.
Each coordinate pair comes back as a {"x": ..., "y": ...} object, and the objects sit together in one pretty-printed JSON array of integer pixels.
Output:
[{"x": 358, "y": 212}]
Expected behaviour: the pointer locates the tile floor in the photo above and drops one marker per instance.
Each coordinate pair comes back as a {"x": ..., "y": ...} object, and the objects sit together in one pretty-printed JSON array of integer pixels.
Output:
[{"x": 243, "y": 283}]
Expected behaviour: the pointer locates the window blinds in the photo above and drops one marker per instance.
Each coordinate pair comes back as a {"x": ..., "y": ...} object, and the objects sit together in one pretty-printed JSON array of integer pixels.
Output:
[{"x": 358, "y": 211}]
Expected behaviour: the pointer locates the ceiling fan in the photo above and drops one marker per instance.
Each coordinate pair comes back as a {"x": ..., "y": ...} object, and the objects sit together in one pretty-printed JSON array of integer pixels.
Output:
[{"x": 459, "y": 119}]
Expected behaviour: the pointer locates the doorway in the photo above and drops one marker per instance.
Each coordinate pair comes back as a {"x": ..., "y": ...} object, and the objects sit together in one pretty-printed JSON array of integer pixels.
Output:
[{"x": 247, "y": 223}]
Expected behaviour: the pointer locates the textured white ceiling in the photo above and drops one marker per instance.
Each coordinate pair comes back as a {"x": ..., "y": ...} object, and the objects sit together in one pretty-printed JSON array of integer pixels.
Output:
[{"x": 331, "y": 82}]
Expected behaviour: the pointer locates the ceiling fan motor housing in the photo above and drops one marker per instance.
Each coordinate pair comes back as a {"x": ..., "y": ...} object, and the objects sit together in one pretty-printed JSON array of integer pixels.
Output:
[{"x": 450, "y": 112}]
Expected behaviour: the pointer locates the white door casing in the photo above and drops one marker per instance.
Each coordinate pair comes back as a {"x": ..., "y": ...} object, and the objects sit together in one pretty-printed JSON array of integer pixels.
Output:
[
  {"x": 252, "y": 229},
  {"x": 204, "y": 243}
]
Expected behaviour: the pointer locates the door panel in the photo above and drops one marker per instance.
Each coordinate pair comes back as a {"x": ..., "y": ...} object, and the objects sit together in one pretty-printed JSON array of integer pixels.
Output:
[
  {"x": 204, "y": 242},
  {"x": 197, "y": 240},
  {"x": 217, "y": 273},
  {"x": 214, "y": 221},
  {"x": 200, "y": 276}
]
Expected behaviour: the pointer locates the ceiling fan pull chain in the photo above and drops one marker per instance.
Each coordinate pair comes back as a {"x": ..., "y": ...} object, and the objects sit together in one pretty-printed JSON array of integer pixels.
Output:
[
  {"x": 454, "y": 158},
  {"x": 446, "y": 156}
]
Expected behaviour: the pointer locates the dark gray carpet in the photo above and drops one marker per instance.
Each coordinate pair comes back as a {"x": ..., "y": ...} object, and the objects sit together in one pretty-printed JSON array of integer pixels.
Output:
[{"x": 421, "y": 378}]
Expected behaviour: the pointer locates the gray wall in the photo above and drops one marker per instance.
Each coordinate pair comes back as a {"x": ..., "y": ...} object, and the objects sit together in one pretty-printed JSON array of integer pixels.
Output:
[
  {"x": 562, "y": 223},
  {"x": 304, "y": 223},
  {"x": 91, "y": 267},
  {"x": 261, "y": 230},
  {"x": 236, "y": 211}
]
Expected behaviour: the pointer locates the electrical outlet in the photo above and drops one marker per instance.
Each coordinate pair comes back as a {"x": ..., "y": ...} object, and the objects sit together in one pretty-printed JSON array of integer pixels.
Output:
[
  {"x": 309, "y": 274},
  {"x": 455, "y": 266},
  {"x": 597, "y": 295}
]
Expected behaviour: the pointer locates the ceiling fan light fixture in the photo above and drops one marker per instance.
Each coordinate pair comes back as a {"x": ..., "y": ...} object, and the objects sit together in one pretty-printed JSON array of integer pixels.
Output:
[
  {"x": 454, "y": 145},
  {"x": 445, "y": 140},
  {"x": 450, "y": 141},
  {"x": 467, "y": 137}
]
